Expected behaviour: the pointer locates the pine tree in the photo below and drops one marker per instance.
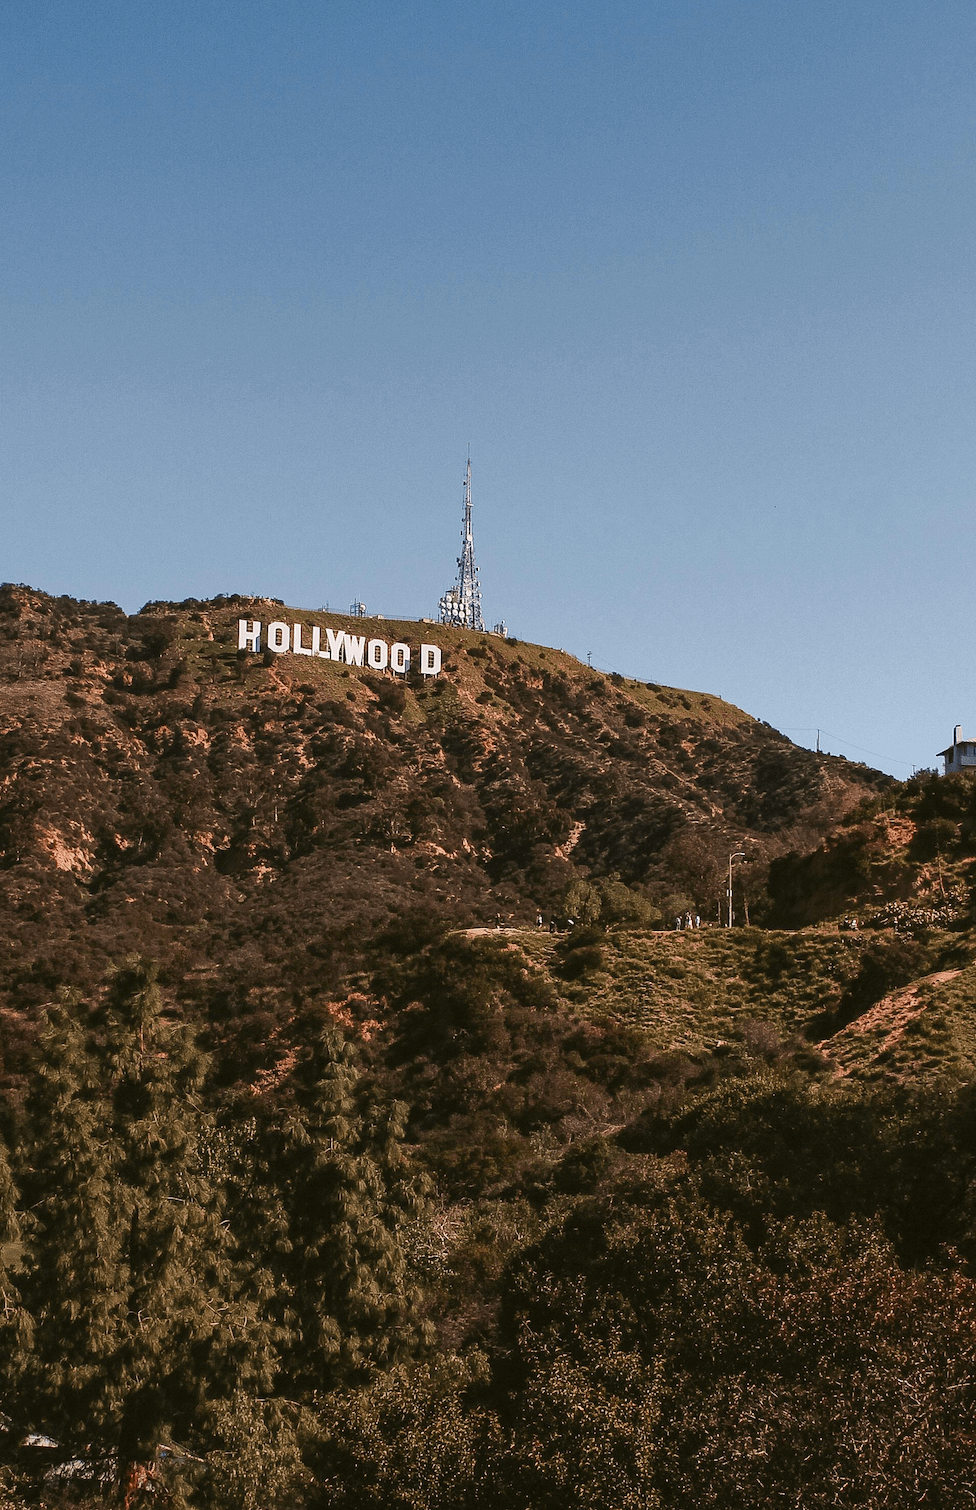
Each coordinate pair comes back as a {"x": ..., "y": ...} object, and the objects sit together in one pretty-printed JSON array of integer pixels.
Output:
[
  {"x": 344, "y": 1194},
  {"x": 71, "y": 1281},
  {"x": 140, "y": 1312},
  {"x": 15, "y": 1329}
]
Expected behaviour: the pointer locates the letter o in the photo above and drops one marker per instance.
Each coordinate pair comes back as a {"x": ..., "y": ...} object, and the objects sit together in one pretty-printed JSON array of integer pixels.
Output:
[
  {"x": 400, "y": 658},
  {"x": 377, "y": 654},
  {"x": 279, "y": 637}
]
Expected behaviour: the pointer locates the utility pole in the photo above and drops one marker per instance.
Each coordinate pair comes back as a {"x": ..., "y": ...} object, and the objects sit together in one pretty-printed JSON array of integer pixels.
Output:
[{"x": 737, "y": 854}]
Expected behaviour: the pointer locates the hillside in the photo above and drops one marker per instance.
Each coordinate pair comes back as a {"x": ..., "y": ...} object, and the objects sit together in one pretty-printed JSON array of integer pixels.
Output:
[
  {"x": 375, "y": 1192},
  {"x": 163, "y": 792},
  {"x": 871, "y": 1006},
  {"x": 904, "y": 856}
]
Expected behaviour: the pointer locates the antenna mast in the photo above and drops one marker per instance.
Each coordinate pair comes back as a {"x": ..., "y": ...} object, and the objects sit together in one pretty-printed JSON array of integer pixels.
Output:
[{"x": 461, "y": 604}]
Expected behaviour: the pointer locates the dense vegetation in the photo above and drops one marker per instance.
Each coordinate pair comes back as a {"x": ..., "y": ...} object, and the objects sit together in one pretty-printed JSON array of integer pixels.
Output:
[
  {"x": 350, "y": 1199},
  {"x": 613, "y": 1275}
]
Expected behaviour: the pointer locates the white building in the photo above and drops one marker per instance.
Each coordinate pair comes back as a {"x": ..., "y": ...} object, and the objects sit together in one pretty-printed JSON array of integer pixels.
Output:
[{"x": 961, "y": 754}]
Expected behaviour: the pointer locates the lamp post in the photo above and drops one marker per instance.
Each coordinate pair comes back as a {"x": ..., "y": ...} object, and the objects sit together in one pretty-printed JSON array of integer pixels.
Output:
[{"x": 736, "y": 854}]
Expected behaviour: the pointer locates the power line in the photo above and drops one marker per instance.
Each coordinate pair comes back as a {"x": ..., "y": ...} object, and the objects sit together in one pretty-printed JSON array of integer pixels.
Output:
[{"x": 875, "y": 754}]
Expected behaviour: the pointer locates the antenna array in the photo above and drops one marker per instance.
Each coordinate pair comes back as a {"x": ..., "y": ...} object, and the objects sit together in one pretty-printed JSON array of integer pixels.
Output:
[{"x": 461, "y": 604}]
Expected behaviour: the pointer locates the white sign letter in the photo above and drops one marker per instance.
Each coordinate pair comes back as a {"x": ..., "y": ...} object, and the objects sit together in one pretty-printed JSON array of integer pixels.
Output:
[
  {"x": 279, "y": 637},
  {"x": 296, "y": 640},
  {"x": 355, "y": 645},
  {"x": 430, "y": 659},
  {"x": 248, "y": 639},
  {"x": 336, "y": 639},
  {"x": 400, "y": 658},
  {"x": 377, "y": 653}
]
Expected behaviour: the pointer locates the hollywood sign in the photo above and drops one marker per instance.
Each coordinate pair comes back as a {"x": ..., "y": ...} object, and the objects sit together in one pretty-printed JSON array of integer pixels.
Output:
[{"x": 338, "y": 645}]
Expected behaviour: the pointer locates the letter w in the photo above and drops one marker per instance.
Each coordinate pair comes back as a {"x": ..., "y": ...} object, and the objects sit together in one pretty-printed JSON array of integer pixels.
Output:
[{"x": 355, "y": 645}]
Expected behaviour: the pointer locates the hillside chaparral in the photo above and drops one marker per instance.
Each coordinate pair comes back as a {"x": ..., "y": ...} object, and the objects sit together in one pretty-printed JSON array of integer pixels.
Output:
[{"x": 339, "y": 645}]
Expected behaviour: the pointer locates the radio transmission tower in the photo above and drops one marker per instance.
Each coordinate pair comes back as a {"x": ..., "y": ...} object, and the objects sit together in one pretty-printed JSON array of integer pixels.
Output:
[{"x": 461, "y": 604}]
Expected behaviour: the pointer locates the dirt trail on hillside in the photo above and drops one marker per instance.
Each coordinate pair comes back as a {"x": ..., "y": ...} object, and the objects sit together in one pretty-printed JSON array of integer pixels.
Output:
[{"x": 893, "y": 1013}]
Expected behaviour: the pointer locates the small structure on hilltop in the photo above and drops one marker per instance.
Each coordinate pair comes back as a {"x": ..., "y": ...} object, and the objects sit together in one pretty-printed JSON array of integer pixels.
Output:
[
  {"x": 961, "y": 754},
  {"x": 461, "y": 604}
]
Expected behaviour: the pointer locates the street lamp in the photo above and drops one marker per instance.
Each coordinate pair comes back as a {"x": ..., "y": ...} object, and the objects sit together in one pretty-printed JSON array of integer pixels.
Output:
[{"x": 736, "y": 854}]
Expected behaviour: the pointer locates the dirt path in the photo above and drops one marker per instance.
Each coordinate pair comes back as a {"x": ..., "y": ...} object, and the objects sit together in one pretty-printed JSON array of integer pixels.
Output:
[{"x": 893, "y": 1013}]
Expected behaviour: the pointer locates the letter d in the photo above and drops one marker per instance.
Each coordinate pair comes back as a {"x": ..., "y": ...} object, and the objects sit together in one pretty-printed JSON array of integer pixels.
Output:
[{"x": 430, "y": 659}]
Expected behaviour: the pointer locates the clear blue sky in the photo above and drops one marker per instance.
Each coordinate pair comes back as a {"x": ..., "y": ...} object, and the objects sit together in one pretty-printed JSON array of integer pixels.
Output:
[{"x": 696, "y": 281}]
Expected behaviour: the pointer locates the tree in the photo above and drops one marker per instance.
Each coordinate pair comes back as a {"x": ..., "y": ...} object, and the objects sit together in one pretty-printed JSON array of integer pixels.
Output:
[
  {"x": 15, "y": 1328},
  {"x": 811, "y": 1372},
  {"x": 336, "y": 1191},
  {"x": 608, "y": 900},
  {"x": 73, "y": 1244},
  {"x": 140, "y": 1312}
]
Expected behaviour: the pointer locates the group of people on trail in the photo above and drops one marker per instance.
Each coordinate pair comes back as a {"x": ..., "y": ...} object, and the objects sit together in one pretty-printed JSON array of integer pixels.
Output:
[{"x": 566, "y": 925}]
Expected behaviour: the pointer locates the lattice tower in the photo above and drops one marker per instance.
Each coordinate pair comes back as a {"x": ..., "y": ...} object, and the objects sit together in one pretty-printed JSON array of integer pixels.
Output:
[{"x": 461, "y": 604}]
